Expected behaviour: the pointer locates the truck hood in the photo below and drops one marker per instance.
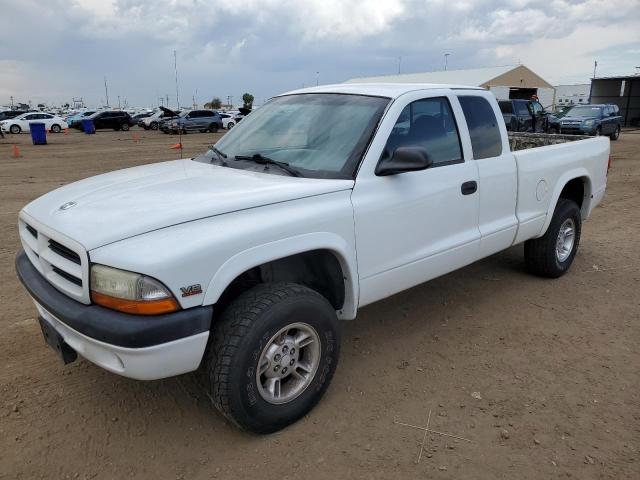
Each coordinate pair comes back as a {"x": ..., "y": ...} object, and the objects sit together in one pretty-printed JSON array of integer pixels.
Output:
[{"x": 121, "y": 204}]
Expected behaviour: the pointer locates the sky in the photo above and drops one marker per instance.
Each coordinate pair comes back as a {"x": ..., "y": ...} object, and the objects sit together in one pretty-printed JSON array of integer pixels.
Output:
[{"x": 54, "y": 50}]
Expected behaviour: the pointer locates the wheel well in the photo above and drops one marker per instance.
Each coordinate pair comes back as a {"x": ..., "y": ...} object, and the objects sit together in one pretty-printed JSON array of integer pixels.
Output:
[
  {"x": 574, "y": 190},
  {"x": 319, "y": 270}
]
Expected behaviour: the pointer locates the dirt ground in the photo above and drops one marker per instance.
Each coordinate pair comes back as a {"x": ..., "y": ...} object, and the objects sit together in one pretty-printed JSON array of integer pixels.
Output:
[{"x": 542, "y": 376}]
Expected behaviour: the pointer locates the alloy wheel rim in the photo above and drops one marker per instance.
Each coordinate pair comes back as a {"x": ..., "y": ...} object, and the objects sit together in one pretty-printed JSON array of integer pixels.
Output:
[
  {"x": 565, "y": 239},
  {"x": 288, "y": 363}
]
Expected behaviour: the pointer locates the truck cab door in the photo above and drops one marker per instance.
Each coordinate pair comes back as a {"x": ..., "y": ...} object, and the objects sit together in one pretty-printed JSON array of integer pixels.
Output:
[
  {"x": 497, "y": 172},
  {"x": 414, "y": 226}
]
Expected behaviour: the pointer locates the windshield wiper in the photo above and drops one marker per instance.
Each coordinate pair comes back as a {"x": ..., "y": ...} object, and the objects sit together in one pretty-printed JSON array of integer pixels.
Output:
[
  {"x": 262, "y": 160},
  {"x": 218, "y": 152}
]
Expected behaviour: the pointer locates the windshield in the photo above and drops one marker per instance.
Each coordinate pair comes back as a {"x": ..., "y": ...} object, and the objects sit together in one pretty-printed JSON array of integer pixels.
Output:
[
  {"x": 584, "y": 112},
  {"x": 321, "y": 135}
]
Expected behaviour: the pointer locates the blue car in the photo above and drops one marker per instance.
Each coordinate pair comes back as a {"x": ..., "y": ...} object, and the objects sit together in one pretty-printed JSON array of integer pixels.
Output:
[
  {"x": 77, "y": 117},
  {"x": 592, "y": 120}
]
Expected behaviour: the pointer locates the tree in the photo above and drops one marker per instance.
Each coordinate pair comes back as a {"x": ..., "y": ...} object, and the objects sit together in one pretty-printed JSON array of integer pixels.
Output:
[
  {"x": 215, "y": 103},
  {"x": 247, "y": 98}
]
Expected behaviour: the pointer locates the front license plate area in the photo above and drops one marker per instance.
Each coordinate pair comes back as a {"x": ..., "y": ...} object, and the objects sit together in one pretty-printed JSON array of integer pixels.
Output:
[{"x": 55, "y": 341}]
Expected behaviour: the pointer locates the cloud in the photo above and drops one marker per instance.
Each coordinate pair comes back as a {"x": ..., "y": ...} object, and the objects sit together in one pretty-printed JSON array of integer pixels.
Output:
[{"x": 268, "y": 46}]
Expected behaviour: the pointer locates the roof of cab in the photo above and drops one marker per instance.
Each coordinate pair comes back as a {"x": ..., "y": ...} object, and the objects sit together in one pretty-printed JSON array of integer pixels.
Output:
[{"x": 391, "y": 90}]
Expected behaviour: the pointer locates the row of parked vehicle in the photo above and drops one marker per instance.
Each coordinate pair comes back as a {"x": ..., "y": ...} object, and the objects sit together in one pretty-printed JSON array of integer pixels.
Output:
[
  {"x": 530, "y": 116},
  {"x": 163, "y": 119}
]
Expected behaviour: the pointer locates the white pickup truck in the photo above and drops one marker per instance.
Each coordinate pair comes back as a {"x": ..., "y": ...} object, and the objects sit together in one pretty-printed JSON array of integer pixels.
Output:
[{"x": 239, "y": 263}]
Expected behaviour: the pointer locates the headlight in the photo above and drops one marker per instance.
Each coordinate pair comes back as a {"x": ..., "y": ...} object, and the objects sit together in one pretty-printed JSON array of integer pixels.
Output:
[
  {"x": 589, "y": 123},
  {"x": 130, "y": 292}
]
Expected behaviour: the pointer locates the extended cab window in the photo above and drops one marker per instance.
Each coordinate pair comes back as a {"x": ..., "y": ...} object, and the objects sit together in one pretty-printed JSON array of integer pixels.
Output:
[
  {"x": 429, "y": 124},
  {"x": 486, "y": 140}
]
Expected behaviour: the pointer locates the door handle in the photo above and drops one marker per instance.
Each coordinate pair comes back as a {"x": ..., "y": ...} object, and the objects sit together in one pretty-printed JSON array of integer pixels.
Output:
[{"x": 467, "y": 188}]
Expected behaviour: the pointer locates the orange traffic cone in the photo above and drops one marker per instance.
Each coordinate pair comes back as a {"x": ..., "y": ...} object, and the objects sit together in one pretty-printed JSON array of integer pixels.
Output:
[
  {"x": 136, "y": 137},
  {"x": 66, "y": 131},
  {"x": 16, "y": 151},
  {"x": 177, "y": 146}
]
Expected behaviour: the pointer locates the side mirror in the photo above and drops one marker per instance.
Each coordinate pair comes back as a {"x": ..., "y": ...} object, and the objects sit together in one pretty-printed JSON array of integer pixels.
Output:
[{"x": 404, "y": 159}]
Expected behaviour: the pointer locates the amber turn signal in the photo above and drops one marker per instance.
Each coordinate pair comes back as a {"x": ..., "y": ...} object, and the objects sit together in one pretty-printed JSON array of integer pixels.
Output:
[{"x": 136, "y": 307}]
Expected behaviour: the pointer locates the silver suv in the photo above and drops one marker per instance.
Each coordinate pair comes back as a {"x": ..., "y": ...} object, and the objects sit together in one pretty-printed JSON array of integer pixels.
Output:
[{"x": 194, "y": 121}]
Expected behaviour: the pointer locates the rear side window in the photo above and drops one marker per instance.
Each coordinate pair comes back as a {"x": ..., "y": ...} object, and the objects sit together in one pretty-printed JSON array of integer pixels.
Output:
[
  {"x": 429, "y": 124},
  {"x": 506, "y": 107},
  {"x": 483, "y": 127},
  {"x": 522, "y": 108}
]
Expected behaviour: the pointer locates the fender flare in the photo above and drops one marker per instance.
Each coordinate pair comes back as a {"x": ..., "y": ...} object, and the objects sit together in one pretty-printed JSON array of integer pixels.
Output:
[
  {"x": 560, "y": 184},
  {"x": 252, "y": 257}
]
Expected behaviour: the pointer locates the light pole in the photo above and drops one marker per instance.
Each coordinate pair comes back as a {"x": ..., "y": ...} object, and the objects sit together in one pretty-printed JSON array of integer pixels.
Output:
[
  {"x": 446, "y": 60},
  {"x": 399, "y": 63},
  {"x": 317, "y": 78},
  {"x": 106, "y": 90},
  {"x": 595, "y": 66}
]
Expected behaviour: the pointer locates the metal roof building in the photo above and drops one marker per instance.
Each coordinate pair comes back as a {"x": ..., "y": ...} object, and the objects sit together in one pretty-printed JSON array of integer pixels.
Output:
[
  {"x": 623, "y": 91},
  {"x": 509, "y": 81}
]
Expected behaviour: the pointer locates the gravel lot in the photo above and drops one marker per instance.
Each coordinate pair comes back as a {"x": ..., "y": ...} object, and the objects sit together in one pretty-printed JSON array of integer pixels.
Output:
[{"x": 542, "y": 376}]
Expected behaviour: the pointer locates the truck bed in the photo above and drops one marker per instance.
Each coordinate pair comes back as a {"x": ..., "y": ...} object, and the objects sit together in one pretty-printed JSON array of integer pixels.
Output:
[{"x": 523, "y": 141}]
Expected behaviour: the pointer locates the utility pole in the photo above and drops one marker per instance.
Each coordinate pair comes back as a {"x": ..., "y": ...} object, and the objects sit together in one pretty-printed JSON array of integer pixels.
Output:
[
  {"x": 175, "y": 67},
  {"x": 12, "y": 102},
  {"x": 317, "y": 78},
  {"x": 399, "y": 63},
  {"x": 167, "y": 100},
  {"x": 119, "y": 102},
  {"x": 106, "y": 90},
  {"x": 446, "y": 60},
  {"x": 595, "y": 66}
]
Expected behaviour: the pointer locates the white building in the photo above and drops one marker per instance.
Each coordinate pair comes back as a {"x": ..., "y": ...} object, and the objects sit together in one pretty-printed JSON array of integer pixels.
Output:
[
  {"x": 567, "y": 95},
  {"x": 506, "y": 82}
]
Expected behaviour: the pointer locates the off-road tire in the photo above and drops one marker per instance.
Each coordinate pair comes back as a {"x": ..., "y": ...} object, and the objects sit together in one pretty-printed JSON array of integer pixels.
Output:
[
  {"x": 540, "y": 253},
  {"x": 239, "y": 336}
]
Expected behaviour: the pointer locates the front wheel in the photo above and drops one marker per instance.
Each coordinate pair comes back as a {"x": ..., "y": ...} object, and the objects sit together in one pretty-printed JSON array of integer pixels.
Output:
[
  {"x": 230, "y": 125},
  {"x": 616, "y": 135},
  {"x": 552, "y": 254},
  {"x": 125, "y": 127},
  {"x": 272, "y": 357},
  {"x": 55, "y": 128},
  {"x": 15, "y": 129},
  {"x": 213, "y": 128}
]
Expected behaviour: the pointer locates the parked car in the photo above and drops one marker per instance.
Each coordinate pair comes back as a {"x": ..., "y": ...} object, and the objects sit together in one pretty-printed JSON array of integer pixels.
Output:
[
  {"x": 152, "y": 122},
  {"x": 523, "y": 115},
  {"x": 194, "y": 121},
  {"x": 77, "y": 117},
  {"x": 21, "y": 123},
  {"x": 8, "y": 114},
  {"x": 139, "y": 116},
  {"x": 239, "y": 262},
  {"x": 228, "y": 120},
  {"x": 109, "y": 119},
  {"x": 592, "y": 120}
]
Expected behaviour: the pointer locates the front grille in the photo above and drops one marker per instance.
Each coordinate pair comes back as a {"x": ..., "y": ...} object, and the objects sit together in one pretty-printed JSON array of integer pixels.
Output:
[
  {"x": 31, "y": 230},
  {"x": 67, "y": 276},
  {"x": 61, "y": 261},
  {"x": 64, "y": 251}
]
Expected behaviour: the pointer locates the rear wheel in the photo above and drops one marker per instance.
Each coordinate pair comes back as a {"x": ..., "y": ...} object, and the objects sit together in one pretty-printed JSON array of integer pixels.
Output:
[
  {"x": 125, "y": 127},
  {"x": 552, "y": 254},
  {"x": 272, "y": 357},
  {"x": 230, "y": 125},
  {"x": 55, "y": 128},
  {"x": 616, "y": 135},
  {"x": 15, "y": 129},
  {"x": 153, "y": 125}
]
